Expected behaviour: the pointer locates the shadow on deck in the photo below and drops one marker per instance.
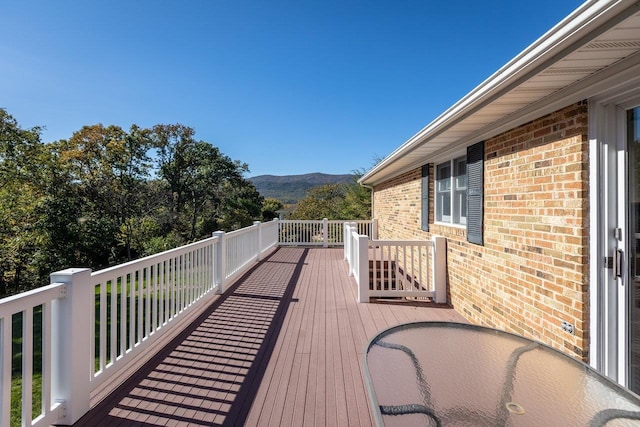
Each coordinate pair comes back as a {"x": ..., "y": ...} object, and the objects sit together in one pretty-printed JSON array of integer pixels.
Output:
[{"x": 282, "y": 347}]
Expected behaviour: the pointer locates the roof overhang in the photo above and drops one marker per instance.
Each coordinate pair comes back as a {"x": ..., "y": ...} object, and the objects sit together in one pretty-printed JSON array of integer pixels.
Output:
[{"x": 593, "y": 49}]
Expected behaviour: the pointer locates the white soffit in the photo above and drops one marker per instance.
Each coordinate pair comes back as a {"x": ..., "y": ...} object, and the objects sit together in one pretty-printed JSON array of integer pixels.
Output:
[{"x": 596, "y": 36}]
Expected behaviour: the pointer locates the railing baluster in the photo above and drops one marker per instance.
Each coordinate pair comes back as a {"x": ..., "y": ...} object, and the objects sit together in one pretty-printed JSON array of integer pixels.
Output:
[
  {"x": 47, "y": 322},
  {"x": 27, "y": 364},
  {"x": 179, "y": 283},
  {"x": 198, "y": 275},
  {"x": 102, "y": 325},
  {"x": 153, "y": 290},
  {"x": 132, "y": 310},
  {"x": 5, "y": 370},
  {"x": 140, "y": 313},
  {"x": 425, "y": 268},
  {"x": 113, "y": 315},
  {"x": 161, "y": 294},
  {"x": 375, "y": 269},
  {"x": 187, "y": 281},
  {"x": 172, "y": 289},
  {"x": 92, "y": 329},
  {"x": 123, "y": 313}
]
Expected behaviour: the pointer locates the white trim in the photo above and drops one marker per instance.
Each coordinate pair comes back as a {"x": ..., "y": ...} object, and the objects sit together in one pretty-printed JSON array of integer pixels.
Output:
[
  {"x": 608, "y": 298},
  {"x": 596, "y": 325},
  {"x": 455, "y": 209},
  {"x": 621, "y": 221},
  {"x": 448, "y": 224}
]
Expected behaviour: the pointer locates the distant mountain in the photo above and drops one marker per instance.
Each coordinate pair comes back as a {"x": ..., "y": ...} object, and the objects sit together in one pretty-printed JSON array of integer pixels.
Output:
[{"x": 291, "y": 188}]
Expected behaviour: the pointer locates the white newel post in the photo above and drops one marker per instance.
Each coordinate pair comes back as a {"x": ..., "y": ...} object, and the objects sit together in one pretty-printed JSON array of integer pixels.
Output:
[
  {"x": 71, "y": 349},
  {"x": 220, "y": 261},
  {"x": 277, "y": 231},
  {"x": 353, "y": 249},
  {"x": 258, "y": 225},
  {"x": 440, "y": 268},
  {"x": 363, "y": 268},
  {"x": 346, "y": 239},
  {"x": 325, "y": 232},
  {"x": 374, "y": 229},
  {"x": 348, "y": 243}
]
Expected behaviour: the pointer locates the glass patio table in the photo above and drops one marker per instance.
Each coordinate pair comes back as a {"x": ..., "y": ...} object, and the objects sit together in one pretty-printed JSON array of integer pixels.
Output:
[{"x": 453, "y": 374}]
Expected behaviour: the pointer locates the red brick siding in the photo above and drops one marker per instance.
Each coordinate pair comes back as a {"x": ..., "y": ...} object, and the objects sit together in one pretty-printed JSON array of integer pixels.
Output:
[{"x": 532, "y": 272}]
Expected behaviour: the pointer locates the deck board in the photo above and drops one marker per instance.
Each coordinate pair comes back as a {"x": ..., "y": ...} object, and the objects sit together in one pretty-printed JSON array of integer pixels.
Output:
[{"x": 284, "y": 346}]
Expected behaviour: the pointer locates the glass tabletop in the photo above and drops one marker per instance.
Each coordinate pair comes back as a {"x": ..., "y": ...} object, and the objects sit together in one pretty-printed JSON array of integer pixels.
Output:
[{"x": 453, "y": 374}]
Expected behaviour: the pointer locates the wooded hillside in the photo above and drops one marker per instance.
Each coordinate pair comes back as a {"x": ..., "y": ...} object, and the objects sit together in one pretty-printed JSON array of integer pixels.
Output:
[{"x": 289, "y": 189}]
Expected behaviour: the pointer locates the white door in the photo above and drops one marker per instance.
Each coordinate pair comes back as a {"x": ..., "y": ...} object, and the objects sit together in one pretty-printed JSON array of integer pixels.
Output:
[{"x": 615, "y": 349}]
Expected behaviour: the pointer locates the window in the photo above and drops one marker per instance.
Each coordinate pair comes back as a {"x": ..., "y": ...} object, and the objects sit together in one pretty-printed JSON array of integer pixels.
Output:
[
  {"x": 458, "y": 193},
  {"x": 451, "y": 191}
]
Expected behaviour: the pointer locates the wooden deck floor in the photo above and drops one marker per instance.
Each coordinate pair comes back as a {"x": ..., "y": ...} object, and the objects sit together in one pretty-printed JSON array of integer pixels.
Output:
[{"x": 283, "y": 347}]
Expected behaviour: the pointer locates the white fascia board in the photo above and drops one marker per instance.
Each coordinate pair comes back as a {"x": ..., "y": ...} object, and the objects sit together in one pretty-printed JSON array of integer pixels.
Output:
[{"x": 589, "y": 20}]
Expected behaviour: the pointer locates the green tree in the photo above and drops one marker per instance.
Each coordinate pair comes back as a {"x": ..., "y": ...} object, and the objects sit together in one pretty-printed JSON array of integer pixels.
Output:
[
  {"x": 270, "y": 208},
  {"x": 109, "y": 169},
  {"x": 172, "y": 144},
  {"x": 357, "y": 200},
  {"x": 206, "y": 188},
  {"x": 242, "y": 205},
  {"x": 325, "y": 201},
  {"x": 134, "y": 200},
  {"x": 21, "y": 195},
  {"x": 106, "y": 195},
  {"x": 335, "y": 201}
]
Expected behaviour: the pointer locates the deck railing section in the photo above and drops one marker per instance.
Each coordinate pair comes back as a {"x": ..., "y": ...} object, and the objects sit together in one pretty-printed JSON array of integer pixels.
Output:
[
  {"x": 78, "y": 333},
  {"x": 242, "y": 248},
  {"x": 321, "y": 232},
  {"x": 27, "y": 320},
  {"x": 136, "y": 302},
  {"x": 393, "y": 268},
  {"x": 88, "y": 326}
]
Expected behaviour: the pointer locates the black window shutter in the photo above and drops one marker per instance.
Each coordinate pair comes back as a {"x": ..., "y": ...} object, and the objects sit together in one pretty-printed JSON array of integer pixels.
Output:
[
  {"x": 475, "y": 192},
  {"x": 425, "y": 198}
]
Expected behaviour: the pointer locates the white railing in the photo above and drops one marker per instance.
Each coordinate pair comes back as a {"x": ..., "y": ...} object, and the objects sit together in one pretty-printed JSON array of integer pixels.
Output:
[
  {"x": 244, "y": 247},
  {"x": 28, "y": 318},
  {"x": 86, "y": 327},
  {"x": 134, "y": 303},
  {"x": 393, "y": 268},
  {"x": 89, "y": 326},
  {"x": 321, "y": 232}
]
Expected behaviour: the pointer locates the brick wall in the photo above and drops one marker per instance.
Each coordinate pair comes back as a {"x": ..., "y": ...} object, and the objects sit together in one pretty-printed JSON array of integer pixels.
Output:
[{"x": 532, "y": 272}]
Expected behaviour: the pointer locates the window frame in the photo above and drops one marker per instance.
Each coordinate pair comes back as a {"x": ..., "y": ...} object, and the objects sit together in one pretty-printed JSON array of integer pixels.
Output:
[{"x": 453, "y": 192}]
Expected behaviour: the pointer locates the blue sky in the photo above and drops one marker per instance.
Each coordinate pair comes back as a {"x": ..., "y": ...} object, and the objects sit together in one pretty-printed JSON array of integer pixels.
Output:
[{"x": 288, "y": 87}]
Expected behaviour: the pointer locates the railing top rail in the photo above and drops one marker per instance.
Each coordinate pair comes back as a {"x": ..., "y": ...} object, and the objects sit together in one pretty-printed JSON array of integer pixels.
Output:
[
  {"x": 155, "y": 257},
  {"x": 16, "y": 303},
  {"x": 301, "y": 221},
  {"x": 240, "y": 231},
  {"x": 335, "y": 221},
  {"x": 401, "y": 242},
  {"x": 355, "y": 221}
]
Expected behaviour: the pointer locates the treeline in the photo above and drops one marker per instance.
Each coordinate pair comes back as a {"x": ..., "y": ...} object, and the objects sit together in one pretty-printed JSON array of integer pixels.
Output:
[
  {"x": 335, "y": 201},
  {"x": 108, "y": 195}
]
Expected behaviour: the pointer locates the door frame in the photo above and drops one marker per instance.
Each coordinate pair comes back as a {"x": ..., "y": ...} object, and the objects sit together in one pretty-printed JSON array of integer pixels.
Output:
[{"x": 608, "y": 296}]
